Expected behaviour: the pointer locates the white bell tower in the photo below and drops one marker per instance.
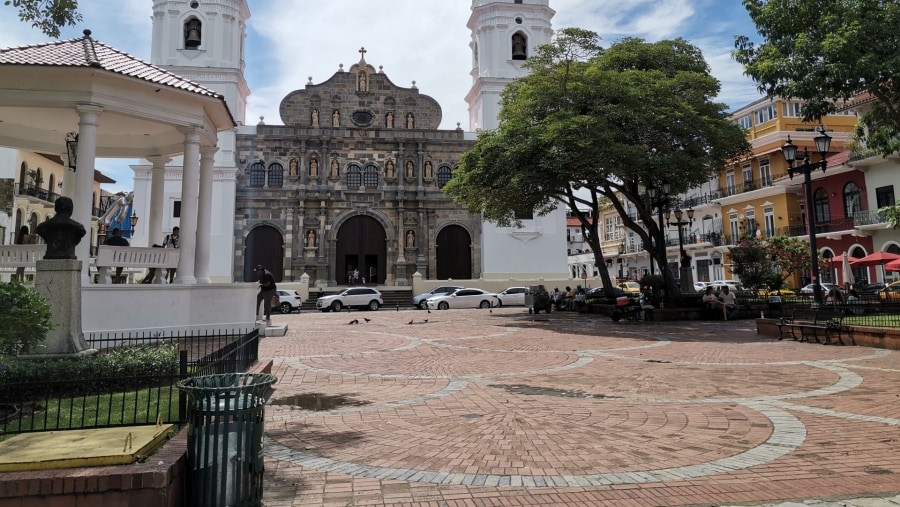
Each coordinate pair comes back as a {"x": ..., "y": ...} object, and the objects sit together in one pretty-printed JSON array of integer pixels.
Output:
[
  {"x": 504, "y": 34},
  {"x": 201, "y": 40}
]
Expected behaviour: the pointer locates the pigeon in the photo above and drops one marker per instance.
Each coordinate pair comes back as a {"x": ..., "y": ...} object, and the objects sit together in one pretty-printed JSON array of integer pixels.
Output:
[
  {"x": 410, "y": 322},
  {"x": 354, "y": 321},
  {"x": 426, "y": 321},
  {"x": 367, "y": 319}
]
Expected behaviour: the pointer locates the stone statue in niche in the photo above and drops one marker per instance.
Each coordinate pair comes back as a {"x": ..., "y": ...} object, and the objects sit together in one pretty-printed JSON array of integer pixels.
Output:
[
  {"x": 336, "y": 118},
  {"x": 410, "y": 121},
  {"x": 315, "y": 117},
  {"x": 334, "y": 168},
  {"x": 389, "y": 169},
  {"x": 310, "y": 238},
  {"x": 61, "y": 233},
  {"x": 410, "y": 239},
  {"x": 429, "y": 171},
  {"x": 314, "y": 168},
  {"x": 410, "y": 170},
  {"x": 389, "y": 120},
  {"x": 362, "y": 82},
  {"x": 293, "y": 167}
]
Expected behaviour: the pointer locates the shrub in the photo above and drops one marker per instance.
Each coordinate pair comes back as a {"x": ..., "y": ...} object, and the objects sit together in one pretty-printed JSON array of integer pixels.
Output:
[{"x": 24, "y": 319}]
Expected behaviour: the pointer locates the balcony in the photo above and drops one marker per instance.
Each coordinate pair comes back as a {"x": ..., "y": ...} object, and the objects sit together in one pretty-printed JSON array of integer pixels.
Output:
[
  {"x": 869, "y": 217},
  {"x": 836, "y": 225},
  {"x": 746, "y": 186},
  {"x": 39, "y": 193}
]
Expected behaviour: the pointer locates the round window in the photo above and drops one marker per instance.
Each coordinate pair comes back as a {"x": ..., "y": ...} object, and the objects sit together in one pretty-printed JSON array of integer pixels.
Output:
[
  {"x": 362, "y": 118},
  {"x": 518, "y": 21},
  {"x": 194, "y": 5}
]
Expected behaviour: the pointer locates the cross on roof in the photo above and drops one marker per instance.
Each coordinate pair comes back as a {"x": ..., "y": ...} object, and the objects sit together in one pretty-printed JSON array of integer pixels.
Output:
[{"x": 362, "y": 53}]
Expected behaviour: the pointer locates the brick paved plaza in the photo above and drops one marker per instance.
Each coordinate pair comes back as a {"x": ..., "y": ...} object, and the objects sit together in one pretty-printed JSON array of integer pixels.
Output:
[{"x": 474, "y": 408}]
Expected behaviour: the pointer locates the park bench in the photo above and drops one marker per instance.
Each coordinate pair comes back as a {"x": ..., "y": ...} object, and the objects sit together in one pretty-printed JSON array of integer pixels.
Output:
[
  {"x": 130, "y": 257},
  {"x": 813, "y": 322}
]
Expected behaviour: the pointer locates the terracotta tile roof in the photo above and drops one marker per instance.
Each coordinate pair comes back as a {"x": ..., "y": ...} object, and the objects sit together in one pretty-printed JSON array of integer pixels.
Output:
[
  {"x": 838, "y": 158},
  {"x": 87, "y": 52}
]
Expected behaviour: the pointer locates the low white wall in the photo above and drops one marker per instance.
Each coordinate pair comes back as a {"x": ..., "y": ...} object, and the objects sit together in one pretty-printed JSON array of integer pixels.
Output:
[{"x": 167, "y": 309}]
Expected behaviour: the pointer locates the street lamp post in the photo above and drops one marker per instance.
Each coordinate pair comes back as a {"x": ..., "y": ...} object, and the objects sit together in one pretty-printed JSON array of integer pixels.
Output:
[
  {"x": 686, "y": 279},
  {"x": 823, "y": 143}
]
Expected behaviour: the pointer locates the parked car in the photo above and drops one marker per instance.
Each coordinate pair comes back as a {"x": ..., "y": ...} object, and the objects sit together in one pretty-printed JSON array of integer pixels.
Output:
[
  {"x": 630, "y": 287},
  {"x": 891, "y": 292},
  {"x": 598, "y": 295},
  {"x": 825, "y": 288},
  {"x": 355, "y": 297},
  {"x": 776, "y": 292},
  {"x": 513, "y": 296},
  {"x": 733, "y": 286},
  {"x": 872, "y": 288},
  {"x": 419, "y": 301},
  {"x": 287, "y": 301},
  {"x": 700, "y": 286},
  {"x": 464, "y": 298}
]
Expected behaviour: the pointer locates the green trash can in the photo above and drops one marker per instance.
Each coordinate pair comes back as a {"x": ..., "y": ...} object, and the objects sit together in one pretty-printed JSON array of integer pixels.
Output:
[{"x": 226, "y": 415}]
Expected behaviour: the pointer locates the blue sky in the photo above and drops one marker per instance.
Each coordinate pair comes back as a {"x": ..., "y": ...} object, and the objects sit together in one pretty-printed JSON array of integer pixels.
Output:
[{"x": 425, "y": 41}]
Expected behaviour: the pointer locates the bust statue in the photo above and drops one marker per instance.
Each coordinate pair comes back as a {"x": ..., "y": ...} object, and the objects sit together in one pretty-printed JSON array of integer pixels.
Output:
[{"x": 61, "y": 233}]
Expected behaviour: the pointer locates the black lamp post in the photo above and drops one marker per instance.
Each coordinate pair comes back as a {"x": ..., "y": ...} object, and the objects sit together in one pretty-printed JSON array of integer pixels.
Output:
[
  {"x": 686, "y": 280},
  {"x": 659, "y": 199},
  {"x": 823, "y": 143}
]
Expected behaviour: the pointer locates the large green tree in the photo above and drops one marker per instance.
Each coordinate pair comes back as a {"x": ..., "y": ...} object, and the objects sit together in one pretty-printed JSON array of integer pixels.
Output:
[
  {"x": 824, "y": 51},
  {"x": 590, "y": 123},
  {"x": 47, "y": 15}
]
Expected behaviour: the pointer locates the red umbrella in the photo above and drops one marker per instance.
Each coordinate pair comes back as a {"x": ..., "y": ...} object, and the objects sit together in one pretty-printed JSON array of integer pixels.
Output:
[
  {"x": 876, "y": 259},
  {"x": 893, "y": 266},
  {"x": 840, "y": 259}
]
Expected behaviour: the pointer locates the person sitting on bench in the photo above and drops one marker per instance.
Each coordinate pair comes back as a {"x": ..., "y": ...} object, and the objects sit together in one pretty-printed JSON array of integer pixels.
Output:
[{"x": 712, "y": 302}]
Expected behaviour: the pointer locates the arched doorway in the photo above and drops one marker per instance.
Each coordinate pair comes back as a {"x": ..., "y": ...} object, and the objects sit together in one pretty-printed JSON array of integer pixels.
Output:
[
  {"x": 264, "y": 245},
  {"x": 453, "y": 252},
  {"x": 361, "y": 245}
]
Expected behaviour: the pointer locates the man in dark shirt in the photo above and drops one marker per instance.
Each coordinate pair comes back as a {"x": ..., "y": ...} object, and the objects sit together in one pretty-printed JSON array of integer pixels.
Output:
[
  {"x": 266, "y": 291},
  {"x": 116, "y": 239}
]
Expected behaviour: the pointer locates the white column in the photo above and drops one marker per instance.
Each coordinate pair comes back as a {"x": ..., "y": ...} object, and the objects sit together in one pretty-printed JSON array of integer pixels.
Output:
[
  {"x": 190, "y": 182},
  {"x": 83, "y": 188},
  {"x": 204, "y": 213},
  {"x": 157, "y": 199}
]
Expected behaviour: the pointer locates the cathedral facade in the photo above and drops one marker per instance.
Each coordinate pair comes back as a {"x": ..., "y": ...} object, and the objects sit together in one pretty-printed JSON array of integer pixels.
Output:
[{"x": 348, "y": 189}]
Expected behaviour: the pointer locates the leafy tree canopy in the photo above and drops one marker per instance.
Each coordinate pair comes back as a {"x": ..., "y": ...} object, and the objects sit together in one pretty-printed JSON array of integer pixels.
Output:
[
  {"x": 589, "y": 123},
  {"x": 829, "y": 50},
  {"x": 47, "y": 15}
]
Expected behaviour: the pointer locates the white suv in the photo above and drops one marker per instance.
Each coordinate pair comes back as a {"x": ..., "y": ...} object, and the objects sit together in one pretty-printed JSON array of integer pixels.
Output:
[{"x": 356, "y": 297}]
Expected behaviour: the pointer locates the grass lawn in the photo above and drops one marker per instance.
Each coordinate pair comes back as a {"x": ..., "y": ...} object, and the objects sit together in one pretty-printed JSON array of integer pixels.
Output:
[
  {"x": 125, "y": 408},
  {"x": 876, "y": 320}
]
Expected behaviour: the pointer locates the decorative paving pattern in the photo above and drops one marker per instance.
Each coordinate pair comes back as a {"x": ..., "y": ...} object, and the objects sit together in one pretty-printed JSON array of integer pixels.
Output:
[{"x": 502, "y": 402}]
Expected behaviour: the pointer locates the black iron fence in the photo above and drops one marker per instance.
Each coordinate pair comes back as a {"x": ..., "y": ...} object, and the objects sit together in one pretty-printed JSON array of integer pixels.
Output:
[{"x": 127, "y": 399}]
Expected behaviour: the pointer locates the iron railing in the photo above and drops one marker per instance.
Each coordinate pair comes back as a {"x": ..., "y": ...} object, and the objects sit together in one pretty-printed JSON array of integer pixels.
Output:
[
  {"x": 869, "y": 217},
  {"x": 126, "y": 400}
]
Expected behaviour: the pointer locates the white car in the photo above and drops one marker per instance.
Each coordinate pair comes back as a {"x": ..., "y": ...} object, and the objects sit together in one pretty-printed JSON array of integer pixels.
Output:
[
  {"x": 419, "y": 301},
  {"x": 364, "y": 298},
  {"x": 733, "y": 286},
  {"x": 287, "y": 301},
  {"x": 513, "y": 296},
  {"x": 825, "y": 288},
  {"x": 700, "y": 286},
  {"x": 464, "y": 298}
]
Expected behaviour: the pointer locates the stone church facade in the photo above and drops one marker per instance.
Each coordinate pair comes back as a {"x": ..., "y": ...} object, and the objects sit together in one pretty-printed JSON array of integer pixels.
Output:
[{"x": 351, "y": 182}]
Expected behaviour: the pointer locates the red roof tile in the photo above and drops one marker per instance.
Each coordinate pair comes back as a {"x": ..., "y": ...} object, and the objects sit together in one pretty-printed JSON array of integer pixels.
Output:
[
  {"x": 87, "y": 52},
  {"x": 838, "y": 158}
]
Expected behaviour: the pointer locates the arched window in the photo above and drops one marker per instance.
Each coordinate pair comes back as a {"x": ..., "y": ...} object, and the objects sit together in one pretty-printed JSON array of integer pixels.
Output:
[
  {"x": 23, "y": 173},
  {"x": 257, "y": 175},
  {"x": 193, "y": 30},
  {"x": 370, "y": 177},
  {"x": 519, "y": 46},
  {"x": 354, "y": 178},
  {"x": 851, "y": 199},
  {"x": 444, "y": 174},
  {"x": 820, "y": 204},
  {"x": 276, "y": 175},
  {"x": 51, "y": 183}
]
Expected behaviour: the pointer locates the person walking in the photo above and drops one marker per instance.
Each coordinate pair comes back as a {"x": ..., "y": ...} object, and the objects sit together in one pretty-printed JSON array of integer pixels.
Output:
[
  {"x": 116, "y": 239},
  {"x": 730, "y": 301},
  {"x": 172, "y": 241},
  {"x": 266, "y": 291},
  {"x": 23, "y": 238}
]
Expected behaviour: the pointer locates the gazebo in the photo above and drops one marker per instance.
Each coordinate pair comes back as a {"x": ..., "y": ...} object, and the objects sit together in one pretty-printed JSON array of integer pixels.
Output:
[{"x": 109, "y": 104}]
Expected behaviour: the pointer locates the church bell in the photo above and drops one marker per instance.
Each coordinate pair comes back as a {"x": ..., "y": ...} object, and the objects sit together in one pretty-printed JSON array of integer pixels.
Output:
[{"x": 193, "y": 38}]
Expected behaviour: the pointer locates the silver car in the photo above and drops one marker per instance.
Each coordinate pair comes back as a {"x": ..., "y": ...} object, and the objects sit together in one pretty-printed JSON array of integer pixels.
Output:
[
  {"x": 464, "y": 298},
  {"x": 419, "y": 301},
  {"x": 364, "y": 298}
]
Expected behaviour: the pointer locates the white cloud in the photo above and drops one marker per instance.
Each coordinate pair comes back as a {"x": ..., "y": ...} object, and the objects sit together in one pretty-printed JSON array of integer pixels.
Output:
[{"x": 425, "y": 41}]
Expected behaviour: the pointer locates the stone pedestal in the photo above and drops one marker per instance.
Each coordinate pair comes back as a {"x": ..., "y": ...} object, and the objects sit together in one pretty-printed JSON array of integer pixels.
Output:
[{"x": 59, "y": 282}]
